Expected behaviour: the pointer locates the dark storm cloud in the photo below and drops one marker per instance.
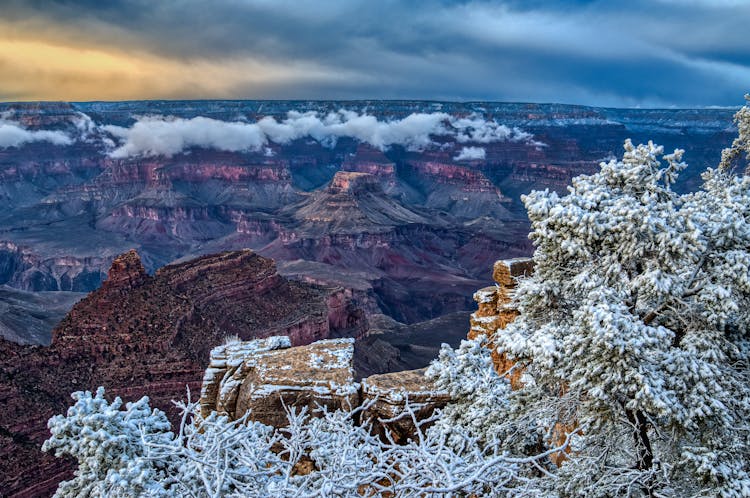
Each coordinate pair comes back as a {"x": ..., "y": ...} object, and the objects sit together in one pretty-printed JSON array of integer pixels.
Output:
[{"x": 667, "y": 52}]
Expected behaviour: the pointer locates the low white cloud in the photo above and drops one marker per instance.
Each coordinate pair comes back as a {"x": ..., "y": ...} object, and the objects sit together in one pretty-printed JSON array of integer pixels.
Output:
[
  {"x": 13, "y": 134},
  {"x": 471, "y": 153},
  {"x": 413, "y": 132},
  {"x": 478, "y": 130},
  {"x": 154, "y": 136},
  {"x": 85, "y": 126},
  {"x": 158, "y": 135}
]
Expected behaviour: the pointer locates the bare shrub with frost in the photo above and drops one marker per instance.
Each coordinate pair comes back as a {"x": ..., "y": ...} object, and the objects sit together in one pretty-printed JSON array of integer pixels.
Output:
[{"x": 130, "y": 451}]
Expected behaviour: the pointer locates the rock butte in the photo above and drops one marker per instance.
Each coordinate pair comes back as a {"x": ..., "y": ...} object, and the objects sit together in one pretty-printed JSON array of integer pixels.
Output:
[{"x": 150, "y": 335}]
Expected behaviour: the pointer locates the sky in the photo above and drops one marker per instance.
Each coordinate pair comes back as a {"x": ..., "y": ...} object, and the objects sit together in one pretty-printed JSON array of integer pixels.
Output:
[{"x": 636, "y": 53}]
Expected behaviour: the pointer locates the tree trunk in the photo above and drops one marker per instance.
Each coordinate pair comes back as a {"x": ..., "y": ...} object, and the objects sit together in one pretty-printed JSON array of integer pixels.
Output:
[{"x": 644, "y": 453}]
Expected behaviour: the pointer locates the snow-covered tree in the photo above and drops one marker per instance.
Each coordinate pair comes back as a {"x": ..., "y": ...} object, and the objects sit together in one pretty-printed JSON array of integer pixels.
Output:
[
  {"x": 634, "y": 327},
  {"x": 110, "y": 445},
  {"x": 476, "y": 389},
  {"x": 741, "y": 144}
]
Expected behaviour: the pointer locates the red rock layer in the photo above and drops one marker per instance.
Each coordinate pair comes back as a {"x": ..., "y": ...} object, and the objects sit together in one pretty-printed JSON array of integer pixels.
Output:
[
  {"x": 368, "y": 159},
  {"x": 468, "y": 180},
  {"x": 150, "y": 335}
]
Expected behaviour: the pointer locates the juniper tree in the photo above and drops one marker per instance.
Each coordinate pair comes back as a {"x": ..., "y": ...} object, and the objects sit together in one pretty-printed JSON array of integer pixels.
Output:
[{"x": 634, "y": 326}]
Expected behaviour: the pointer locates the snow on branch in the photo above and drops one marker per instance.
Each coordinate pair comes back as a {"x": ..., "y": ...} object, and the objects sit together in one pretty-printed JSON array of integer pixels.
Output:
[{"x": 130, "y": 451}]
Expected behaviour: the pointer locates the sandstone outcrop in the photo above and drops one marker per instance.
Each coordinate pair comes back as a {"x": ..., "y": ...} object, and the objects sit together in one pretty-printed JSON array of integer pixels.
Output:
[
  {"x": 386, "y": 397},
  {"x": 150, "y": 335},
  {"x": 322, "y": 375},
  {"x": 265, "y": 377},
  {"x": 496, "y": 308},
  {"x": 226, "y": 370}
]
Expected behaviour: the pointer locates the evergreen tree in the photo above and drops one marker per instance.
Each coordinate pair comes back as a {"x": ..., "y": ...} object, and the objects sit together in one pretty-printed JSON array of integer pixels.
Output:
[{"x": 634, "y": 327}]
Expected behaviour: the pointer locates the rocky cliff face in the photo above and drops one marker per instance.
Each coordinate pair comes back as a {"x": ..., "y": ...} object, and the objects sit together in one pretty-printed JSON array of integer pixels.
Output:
[
  {"x": 496, "y": 308},
  {"x": 151, "y": 335},
  {"x": 22, "y": 268},
  {"x": 462, "y": 191},
  {"x": 400, "y": 251}
]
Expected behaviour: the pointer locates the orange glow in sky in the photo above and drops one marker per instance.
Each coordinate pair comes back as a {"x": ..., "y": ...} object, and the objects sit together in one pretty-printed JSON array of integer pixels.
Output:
[{"x": 43, "y": 70}]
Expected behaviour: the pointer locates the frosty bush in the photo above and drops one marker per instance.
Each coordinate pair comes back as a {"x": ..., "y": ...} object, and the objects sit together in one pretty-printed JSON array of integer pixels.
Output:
[
  {"x": 477, "y": 391},
  {"x": 131, "y": 452},
  {"x": 110, "y": 444}
]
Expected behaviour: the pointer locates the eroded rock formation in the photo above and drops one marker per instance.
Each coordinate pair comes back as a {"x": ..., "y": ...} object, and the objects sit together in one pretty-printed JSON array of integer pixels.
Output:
[
  {"x": 387, "y": 395},
  {"x": 265, "y": 377},
  {"x": 496, "y": 308},
  {"x": 150, "y": 335}
]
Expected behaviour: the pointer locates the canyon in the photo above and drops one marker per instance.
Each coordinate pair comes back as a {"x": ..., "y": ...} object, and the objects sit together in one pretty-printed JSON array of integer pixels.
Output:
[
  {"x": 310, "y": 239},
  {"x": 409, "y": 232}
]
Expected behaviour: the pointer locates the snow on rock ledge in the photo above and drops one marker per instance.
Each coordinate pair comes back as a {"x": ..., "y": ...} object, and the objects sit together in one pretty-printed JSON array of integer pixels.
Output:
[
  {"x": 388, "y": 394},
  {"x": 266, "y": 375},
  {"x": 226, "y": 370},
  {"x": 318, "y": 374}
]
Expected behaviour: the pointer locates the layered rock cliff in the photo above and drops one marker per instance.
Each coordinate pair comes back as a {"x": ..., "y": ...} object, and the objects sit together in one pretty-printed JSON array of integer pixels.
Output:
[
  {"x": 496, "y": 309},
  {"x": 22, "y": 268},
  {"x": 405, "y": 254},
  {"x": 462, "y": 191},
  {"x": 151, "y": 335}
]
